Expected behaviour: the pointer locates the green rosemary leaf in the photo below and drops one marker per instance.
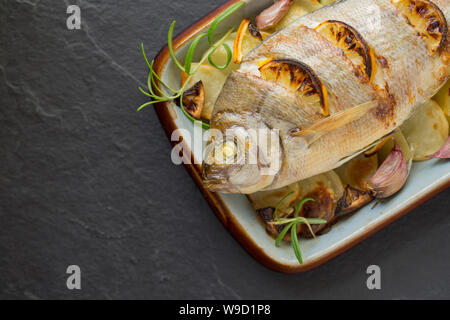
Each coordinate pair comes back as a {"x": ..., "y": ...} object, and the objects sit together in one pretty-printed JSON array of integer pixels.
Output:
[
  {"x": 275, "y": 214},
  {"x": 296, "y": 244},
  {"x": 299, "y": 219},
  {"x": 147, "y": 104},
  {"x": 162, "y": 93},
  {"x": 204, "y": 125},
  {"x": 150, "y": 66},
  {"x": 229, "y": 57},
  {"x": 222, "y": 17},
  {"x": 300, "y": 206},
  {"x": 170, "y": 45},
  {"x": 163, "y": 83},
  {"x": 190, "y": 53},
  {"x": 283, "y": 234},
  {"x": 146, "y": 93}
]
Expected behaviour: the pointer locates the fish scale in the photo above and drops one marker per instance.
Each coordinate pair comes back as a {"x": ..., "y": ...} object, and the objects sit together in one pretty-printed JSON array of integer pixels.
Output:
[{"x": 411, "y": 75}]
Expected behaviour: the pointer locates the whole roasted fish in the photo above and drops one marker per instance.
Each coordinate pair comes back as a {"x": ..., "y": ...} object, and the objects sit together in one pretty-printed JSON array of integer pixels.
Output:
[{"x": 359, "y": 107}]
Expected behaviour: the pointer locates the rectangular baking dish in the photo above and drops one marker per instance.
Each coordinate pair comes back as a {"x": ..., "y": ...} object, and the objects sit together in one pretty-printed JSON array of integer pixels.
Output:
[{"x": 235, "y": 212}]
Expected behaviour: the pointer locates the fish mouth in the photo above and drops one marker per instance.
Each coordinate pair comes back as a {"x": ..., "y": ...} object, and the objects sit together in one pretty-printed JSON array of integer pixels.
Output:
[{"x": 219, "y": 185}]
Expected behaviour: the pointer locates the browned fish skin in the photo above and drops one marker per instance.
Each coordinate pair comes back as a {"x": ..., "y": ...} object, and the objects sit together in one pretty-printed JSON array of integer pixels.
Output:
[{"x": 410, "y": 75}]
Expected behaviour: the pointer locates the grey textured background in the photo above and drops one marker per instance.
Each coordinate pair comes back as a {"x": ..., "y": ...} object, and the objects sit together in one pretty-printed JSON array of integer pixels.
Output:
[{"x": 86, "y": 180}]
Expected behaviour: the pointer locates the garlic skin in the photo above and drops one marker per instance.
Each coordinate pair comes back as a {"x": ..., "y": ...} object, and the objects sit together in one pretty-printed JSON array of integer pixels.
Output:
[
  {"x": 391, "y": 176},
  {"x": 272, "y": 15},
  {"x": 444, "y": 153}
]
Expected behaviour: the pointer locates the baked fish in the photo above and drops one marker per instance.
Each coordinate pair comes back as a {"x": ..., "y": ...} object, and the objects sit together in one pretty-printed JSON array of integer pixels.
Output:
[{"x": 331, "y": 84}]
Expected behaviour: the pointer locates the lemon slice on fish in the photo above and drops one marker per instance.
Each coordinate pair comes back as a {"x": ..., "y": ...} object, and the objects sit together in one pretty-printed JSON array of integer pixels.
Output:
[
  {"x": 427, "y": 19},
  {"x": 298, "y": 77},
  {"x": 350, "y": 41},
  {"x": 247, "y": 38}
]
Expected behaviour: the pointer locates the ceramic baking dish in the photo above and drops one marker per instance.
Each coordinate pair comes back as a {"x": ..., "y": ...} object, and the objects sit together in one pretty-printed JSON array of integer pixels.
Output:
[{"x": 235, "y": 212}]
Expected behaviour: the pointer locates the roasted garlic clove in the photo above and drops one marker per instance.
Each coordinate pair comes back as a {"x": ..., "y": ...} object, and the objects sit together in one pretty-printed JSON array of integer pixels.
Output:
[
  {"x": 272, "y": 15},
  {"x": 391, "y": 176}
]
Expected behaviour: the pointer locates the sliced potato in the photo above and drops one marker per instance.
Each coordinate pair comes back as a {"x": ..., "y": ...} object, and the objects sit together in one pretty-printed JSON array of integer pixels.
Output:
[
  {"x": 386, "y": 149},
  {"x": 270, "y": 199},
  {"x": 443, "y": 99},
  {"x": 426, "y": 130},
  {"x": 298, "y": 77},
  {"x": 427, "y": 19},
  {"x": 327, "y": 2},
  {"x": 309, "y": 5},
  {"x": 213, "y": 81},
  {"x": 358, "y": 171},
  {"x": 266, "y": 216},
  {"x": 298, "y": 9},
  {"x": 293, "y": 14},
  {"x": 326, "y": 189},
  {"x": 220, "y": 57},
  {"x": 378, "y": 147},
  {"x": 352, "y": 43}
]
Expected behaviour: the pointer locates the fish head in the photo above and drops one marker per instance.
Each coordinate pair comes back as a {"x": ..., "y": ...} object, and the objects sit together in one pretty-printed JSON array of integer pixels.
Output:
[{"x": 241, "y": 160}]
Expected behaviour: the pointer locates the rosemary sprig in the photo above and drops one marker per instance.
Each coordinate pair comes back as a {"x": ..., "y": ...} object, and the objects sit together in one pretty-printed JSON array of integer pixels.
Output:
[
  {"x": 292, "y": 224},
  {"x": 275, "y": 214},
  {"x": 153, "y": 79}
]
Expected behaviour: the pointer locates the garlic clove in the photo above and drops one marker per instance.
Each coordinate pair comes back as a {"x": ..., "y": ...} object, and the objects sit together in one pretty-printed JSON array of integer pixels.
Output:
[
  {"x": 391, "y": 176},
  {"x": 272, "y": 15},
  {"x": 444, "y": 153}
]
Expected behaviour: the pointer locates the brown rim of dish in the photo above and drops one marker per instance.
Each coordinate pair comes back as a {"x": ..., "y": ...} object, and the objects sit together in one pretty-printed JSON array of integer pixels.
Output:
[{"x": 219, "y": 207}]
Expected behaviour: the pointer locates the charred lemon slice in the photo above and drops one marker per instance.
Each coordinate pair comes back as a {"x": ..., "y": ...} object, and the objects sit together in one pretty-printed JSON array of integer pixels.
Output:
[
  {"x": 350, "y": 41},
  {"x": 194, "y": 100},
  {"x": 298, "y": 77},
  {"x": 247, "y": 37},
  {"x": 427, "y": 19}
]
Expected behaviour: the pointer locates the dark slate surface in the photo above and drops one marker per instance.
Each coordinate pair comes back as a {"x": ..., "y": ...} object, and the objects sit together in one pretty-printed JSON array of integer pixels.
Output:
[{"x": 86, "y": 180}]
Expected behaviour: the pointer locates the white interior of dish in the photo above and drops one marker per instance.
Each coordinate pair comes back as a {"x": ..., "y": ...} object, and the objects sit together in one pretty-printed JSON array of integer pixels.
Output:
[{"x": 425, "y": 177}]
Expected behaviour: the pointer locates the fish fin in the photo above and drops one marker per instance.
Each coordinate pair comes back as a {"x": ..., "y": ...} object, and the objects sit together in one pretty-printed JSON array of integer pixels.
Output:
[
  {"x": 369, "y": 147},
  {"x": 336, "y": 121}
]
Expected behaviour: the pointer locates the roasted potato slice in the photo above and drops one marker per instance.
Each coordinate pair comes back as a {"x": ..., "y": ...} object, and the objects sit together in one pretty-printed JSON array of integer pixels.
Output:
[
  {"x": 213, "y": 81},
  {"x": 326, "y": 189},
  {"x": 271, "y": 198},
  {"x": 358, "y": 171},
  {"x": 327, "y": 2},
  {"x": 298, "y": 77},
  {"x": 399, "y": 138},
  {"x": 426, "y": 130},
  {"x": 247, "y": 37},
  {"x": 378, "y": 147},
  {"x": 297, "y": 10},
  {"x": 351, "y": 42},
  {"x": 265, "y": 203},
  {"x": 309, "y": 5},
  {"x": 443, "y": 99},
  {"x": 293, "y": 14},
  {"x": 266, "y": 215},
  {"x": 427, "y": 19}
]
